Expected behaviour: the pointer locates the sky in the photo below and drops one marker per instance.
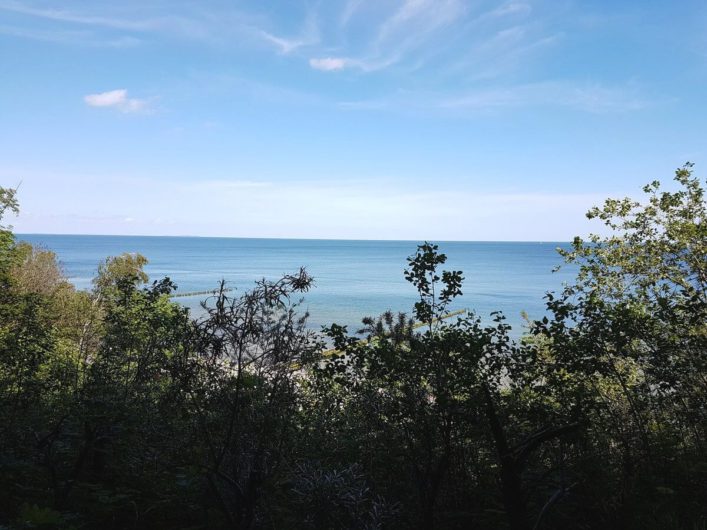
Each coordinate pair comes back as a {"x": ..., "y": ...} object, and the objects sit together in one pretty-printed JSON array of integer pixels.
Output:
[{"x": 345, "y": 119}]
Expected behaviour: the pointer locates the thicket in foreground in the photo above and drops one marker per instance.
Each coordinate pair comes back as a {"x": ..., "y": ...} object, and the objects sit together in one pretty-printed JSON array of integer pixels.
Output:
[{"x": 118, "y": 410}]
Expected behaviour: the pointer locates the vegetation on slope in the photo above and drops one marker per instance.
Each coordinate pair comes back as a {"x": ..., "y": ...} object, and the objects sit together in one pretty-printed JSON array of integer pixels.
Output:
[{"x": 118, "y": 410}]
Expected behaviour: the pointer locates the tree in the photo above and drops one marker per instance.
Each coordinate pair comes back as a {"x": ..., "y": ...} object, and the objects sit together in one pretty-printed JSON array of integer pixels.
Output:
[
  {"x": 245, "y": 379},
  {"x": 433, "y": 398},
  {"x": 634, "y": 328},
  {"x": 8, "y": 202},
  {"x": 126, "y": 268}
]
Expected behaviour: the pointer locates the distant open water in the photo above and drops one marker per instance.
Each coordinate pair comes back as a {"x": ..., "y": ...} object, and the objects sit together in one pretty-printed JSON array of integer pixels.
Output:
[{"x": 353, "y": 279}]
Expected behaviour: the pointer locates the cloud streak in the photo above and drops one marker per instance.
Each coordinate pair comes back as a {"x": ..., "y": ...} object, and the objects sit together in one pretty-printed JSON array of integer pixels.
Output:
[
  {"x": 592, "y": 97},
  {"x": 573, "y": 95},
  {"x": 202, "y": 25},
  {"x": 329, "y": 64},
  {"x": 285, "y": 46},
  {"x": 442, "y": 36},
  {"x": 82, "y": 37},
  {"x": 424, "y": 16},
  {"x": 391, "y": 36},
  {"x": 61, "y": 15}
]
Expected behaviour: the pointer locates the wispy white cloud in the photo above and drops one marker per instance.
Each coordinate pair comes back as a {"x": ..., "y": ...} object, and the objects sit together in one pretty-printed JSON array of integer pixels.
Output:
[
  {"x": 350, "y": 9},
  {"x": 590, "y": 97},
  {"x": 420, "y": 34},
  {"x": 307, "y": 36},
  {"x": 434, "y": 44},
  {"x": 284, "y": 45},
  {"x": 117, "y": 99},
  {"x": 49, "y": 36},
  {"x": 329, "y": 63},
  {"x": 216, "y": 27},
  {"x": 408, "y": 29},
  {"x": 575, "y": 95},
  {"x": 511, "y": 8},
  {"x": 63, "y": 15},
  {"x": 82, "y": 37},
  {"x": 424, "y": 15}
]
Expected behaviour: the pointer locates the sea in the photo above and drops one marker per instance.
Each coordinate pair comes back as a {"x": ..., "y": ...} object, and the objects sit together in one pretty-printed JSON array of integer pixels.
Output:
[{"x": 353, "y": 279}]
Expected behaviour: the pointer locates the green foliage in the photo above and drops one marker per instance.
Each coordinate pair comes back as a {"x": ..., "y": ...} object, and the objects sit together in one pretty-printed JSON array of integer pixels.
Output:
[
  {"x": 36, "y": 270},
  {"x": 656, "y": 249},
  {"x": 120, "y": 410},
  {"x": 35, "y": 517},
  {"x": 422, "y": 273},
  {"x": 634, "y": 329},
  {"x": 120, "y": 272},
  {"x": 8, "y": 202}
]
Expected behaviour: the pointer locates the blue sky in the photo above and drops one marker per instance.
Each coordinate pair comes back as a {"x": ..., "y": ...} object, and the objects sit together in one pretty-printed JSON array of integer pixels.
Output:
[{"x": 373, "y": 119}]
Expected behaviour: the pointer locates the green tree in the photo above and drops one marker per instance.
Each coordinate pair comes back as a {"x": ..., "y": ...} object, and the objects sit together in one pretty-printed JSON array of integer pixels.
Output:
[
  {"x": 634, "y": 328},
  {"x": 437, "y": 399},
  {"x": 246, "y": 374}
]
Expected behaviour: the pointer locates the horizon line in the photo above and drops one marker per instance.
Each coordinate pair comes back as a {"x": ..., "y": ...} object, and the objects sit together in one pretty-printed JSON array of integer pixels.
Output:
[{"x": 302, "y": 238}]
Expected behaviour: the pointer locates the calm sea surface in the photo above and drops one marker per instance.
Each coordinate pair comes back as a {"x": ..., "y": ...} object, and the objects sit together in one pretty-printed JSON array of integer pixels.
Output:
[{"x": 353, "y": 278}]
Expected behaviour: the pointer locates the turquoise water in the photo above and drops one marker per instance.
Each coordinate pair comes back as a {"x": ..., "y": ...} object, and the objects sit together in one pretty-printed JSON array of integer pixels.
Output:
[{"x": 353, "y": 278}]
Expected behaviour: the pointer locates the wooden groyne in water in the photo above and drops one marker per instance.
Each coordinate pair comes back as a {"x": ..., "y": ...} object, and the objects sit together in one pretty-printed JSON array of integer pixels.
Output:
[
  {"x": 199, "y": 293},
  {"x": 418, "y": 325}
]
